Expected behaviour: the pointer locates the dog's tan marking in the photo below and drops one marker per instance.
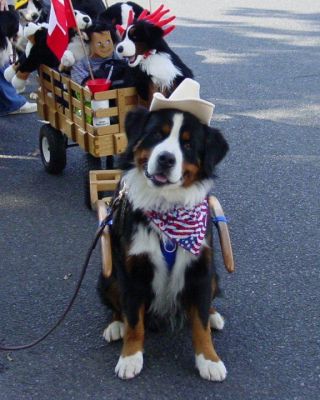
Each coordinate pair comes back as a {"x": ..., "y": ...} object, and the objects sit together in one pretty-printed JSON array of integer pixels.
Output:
[
  {"x": 166, "y": 129},
  {"x": 201, "y": 337},
  {"x": 185, "y": 136},
  {"x": 190, "y": 174},
  {"x": 141, "y": 157},
  {"x": 133, "y": 336}
]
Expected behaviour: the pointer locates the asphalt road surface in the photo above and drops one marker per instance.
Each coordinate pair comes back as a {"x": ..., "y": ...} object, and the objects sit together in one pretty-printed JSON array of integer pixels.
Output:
[{"x": 258, "y": 61}]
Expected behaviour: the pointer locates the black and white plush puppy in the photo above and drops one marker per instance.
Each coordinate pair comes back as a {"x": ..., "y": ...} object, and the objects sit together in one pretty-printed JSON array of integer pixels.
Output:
[
  {"x": 36, "y": 54},
  {"x": 156, "y": 67},
  {"x": 33, "y": 10},
  {"x": 9, "y": 26},
  {"x": 74, "y": 51},
  {"x": 161, "y": 231},
  {"x": 118, "y": 13}
]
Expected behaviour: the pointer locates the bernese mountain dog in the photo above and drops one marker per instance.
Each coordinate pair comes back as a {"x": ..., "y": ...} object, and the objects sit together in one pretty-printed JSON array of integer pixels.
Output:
[
  {"x": 156, "y": 68},
  {"x": 161, "y": 235}
]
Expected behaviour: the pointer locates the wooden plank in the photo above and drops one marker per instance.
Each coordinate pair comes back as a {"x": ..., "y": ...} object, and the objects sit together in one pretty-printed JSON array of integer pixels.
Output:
[
  {"x": 42, "y": 109},
  {"x": 103, "y": 174},
  {"x": 102, "y": 180},
  {"x": 121, "y": 109},
  {"x": 46, "y": 69},
  {"x": 53, "y": 118},
  {"x": 120, "y": 142},
  {"x": 106, "y": 130},
  {"x": 106, "y": 185},
  {"x": 106, "y": 254},
  {"x": 52, "y": 90},
  {"x": 67, "y": 127},
  {"x": 100, "y": 146},
  {"x": 129, "y": 91},
  {"x": 75, "y": 86},
  {"x": 82, "y": 138},
  {"x": 106, "y": 112},
  {"x": 110, "y": 94}
]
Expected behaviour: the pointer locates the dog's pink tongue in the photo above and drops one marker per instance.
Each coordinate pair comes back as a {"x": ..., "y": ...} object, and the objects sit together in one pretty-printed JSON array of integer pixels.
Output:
[{"x": 160, "y": 178}]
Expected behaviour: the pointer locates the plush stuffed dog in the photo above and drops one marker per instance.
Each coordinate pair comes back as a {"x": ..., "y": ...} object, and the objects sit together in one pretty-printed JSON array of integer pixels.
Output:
[
  {"x": 155, "y": 66},
  {"x": 161, "y": 229},
  {"x": 75, "y": 51},
  {"x": 37, "y": 53}
]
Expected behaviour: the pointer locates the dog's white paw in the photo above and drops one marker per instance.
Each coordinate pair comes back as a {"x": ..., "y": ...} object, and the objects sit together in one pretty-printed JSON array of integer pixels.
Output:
[
  {"x": 216, "y": 321},
  {"x": 130, "y": 366},
  {"x": 213, "y": 371},
  {"x": 114, "y": 331},
  {"x": 68, "y": 59}
]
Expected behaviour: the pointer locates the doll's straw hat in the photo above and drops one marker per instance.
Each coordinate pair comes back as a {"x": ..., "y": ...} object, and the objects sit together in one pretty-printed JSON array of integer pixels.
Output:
[{"x": 186, "y": 97}]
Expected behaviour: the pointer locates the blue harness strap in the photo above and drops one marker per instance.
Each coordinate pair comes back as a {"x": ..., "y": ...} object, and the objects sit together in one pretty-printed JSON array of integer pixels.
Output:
[{"x": 169, "y": 250}]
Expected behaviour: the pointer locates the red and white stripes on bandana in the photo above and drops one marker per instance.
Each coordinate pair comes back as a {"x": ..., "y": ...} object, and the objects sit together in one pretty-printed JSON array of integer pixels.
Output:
[{"x": 185, "y": 226}]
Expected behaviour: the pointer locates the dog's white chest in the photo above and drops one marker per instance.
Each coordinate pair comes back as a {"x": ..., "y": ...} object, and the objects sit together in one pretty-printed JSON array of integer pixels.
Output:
[
  {"x": 166, "y": 285},
  {"x": 161, "y": 69}
]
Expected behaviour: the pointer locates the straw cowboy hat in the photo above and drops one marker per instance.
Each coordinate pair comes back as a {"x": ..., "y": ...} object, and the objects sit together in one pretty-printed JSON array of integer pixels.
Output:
[{"x": 186, "y": 97}]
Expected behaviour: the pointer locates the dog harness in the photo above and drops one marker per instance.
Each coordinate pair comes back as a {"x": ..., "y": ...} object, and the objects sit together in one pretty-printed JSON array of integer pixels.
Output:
[{"x": 184, "y": 227}]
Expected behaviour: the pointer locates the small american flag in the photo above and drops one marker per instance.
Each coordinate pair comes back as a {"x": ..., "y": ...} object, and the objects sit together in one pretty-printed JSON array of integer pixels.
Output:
[{"x": 185, "y": 226}]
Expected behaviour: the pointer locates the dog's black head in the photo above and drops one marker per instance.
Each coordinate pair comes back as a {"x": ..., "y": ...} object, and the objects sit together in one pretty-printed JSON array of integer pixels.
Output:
[
  {"x": 172, "y": 148},
  {"x": 138, "y": 39}
]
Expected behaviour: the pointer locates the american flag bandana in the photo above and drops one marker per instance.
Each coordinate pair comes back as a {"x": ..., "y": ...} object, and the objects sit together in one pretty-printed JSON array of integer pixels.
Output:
[{"x": 185, "y": 226}]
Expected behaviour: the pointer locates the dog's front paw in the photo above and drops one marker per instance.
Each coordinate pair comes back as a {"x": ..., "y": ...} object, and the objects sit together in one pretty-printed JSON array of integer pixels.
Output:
[
  {"x": 114, "y": 331},
  {"x": 216, "y": 321},
  {"x": 213, "y": 371},
  {"x": 130, "y": 366},
  {"x": 68, "y": 59}
]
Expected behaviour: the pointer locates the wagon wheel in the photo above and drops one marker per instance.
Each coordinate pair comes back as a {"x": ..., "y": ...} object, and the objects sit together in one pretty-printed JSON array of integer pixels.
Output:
[
  {"x": 89, "y": 163},
  {"x": 52, "y": 144}
]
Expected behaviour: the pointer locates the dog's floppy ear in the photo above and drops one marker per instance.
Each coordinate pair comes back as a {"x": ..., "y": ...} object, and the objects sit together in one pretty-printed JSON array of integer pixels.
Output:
[
  {"x": 134, "y": 124},
  {"x": 216, "y": 147}
]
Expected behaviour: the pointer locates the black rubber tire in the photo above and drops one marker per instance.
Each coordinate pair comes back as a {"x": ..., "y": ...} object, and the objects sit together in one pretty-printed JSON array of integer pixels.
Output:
[
  {"x": 88, "y": 163},
  {"x": 52, "y": 145}
]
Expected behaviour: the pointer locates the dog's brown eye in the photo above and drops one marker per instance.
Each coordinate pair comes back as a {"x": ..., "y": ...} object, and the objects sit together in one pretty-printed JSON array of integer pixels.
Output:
[
  {"x": 187, "y": 145},
  {"x": 132, "y": 33}
]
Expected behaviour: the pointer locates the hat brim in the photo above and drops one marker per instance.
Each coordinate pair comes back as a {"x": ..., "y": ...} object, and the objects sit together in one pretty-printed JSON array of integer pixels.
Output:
[{"x": 201, "y": 109}]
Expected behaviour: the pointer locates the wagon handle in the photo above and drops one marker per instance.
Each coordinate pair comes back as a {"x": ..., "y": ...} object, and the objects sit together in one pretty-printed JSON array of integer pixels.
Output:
[
  {"x": 105, "y": 240},
  {"x": 223, "y": 231}
]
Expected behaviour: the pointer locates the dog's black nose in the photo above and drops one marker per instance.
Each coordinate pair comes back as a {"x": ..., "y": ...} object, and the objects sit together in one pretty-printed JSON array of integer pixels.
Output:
[
  {"x": 86, "y": 19},
  {"x": 166, "y": 160},
  {"x": 120, "y": 49},
  {"x": 34, "y": 16}
]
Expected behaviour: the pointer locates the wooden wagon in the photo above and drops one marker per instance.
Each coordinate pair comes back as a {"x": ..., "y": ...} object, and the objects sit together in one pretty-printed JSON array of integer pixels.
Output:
[{"x": 66, "y": 109}]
